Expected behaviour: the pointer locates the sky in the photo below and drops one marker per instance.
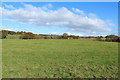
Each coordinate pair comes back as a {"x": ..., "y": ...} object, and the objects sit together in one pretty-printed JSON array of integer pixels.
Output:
[
  {"x": 74, "y": 18},
  {"x": 59, "y": 0}
]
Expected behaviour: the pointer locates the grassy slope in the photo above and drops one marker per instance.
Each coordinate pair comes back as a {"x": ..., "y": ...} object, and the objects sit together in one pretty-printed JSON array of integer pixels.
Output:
[
  {"x": 59, "y": 58},
  {"x": 13, "y": 36}
]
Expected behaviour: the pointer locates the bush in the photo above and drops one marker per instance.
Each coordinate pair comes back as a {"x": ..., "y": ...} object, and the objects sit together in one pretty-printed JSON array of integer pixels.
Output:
[
  {"x": 28, "y": 35},
  {"x": 75, "y": 37},
  {"x": 112, "y": 38},
  {"x": 47, "y": 37},
  {"x": 118, "y": 40},
  {"x": 65, "y": 36},
  {"x": 100, "y": 38},
  {"x": 3, "y": 34}
]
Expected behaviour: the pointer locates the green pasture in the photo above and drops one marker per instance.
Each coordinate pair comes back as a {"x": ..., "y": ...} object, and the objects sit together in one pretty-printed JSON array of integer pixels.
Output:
[{"x": 59, "y": 59}]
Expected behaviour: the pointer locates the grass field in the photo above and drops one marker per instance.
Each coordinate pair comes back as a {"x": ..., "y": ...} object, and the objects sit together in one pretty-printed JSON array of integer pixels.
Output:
[
  {"x": 59, "y": 58},
  {"x": 13, "y": 36}
]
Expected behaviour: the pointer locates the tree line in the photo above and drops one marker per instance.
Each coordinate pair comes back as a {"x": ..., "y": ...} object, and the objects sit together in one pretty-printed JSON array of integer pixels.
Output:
[{"x": 30, "y": 35}]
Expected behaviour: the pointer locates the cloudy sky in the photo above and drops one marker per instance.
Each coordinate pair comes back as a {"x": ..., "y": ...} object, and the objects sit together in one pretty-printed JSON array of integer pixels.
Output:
[{"x": 74, "y": 18}]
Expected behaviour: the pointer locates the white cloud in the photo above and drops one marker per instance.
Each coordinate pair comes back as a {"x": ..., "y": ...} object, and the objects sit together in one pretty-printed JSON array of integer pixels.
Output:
[
  {"x": 9, "y": 6},
  {"x": 57, "y": 33},
  {"x": 1, "y": 27},
  {"x": 93, "y": 32},
  {"x": 49, "y": 5},
  {"x": 93, "y": 16},
  {"x": 78, "y": 11},
  {"x": 76, "y": 34},
  {"x": 62, "y": 17},
  {"x": 5, "y": 28}
]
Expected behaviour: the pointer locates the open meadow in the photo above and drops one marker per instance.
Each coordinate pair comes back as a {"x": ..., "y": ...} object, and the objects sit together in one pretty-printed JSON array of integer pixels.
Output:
[{"x": 59, "y": 58}]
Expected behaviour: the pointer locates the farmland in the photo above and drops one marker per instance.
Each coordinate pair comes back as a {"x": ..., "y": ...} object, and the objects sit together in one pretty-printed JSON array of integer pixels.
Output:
[{"x": 59, "y": 59}]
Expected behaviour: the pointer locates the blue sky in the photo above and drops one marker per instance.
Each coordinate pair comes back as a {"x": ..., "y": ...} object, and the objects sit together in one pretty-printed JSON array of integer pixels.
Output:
[
  {"x": 60, "y": 0},
  {"x": 75, "y": 18}
]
